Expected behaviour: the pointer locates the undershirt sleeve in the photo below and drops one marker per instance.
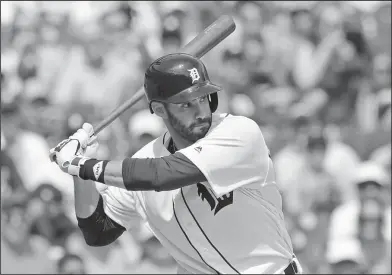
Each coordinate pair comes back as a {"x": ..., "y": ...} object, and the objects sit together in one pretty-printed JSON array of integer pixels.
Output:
[
  {"x": 99, "y": 229},
  {"x": 160, "y": 174}
]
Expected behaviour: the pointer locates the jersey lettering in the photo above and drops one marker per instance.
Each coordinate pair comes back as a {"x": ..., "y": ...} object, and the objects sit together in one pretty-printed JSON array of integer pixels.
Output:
[
  {"x": 224, "y": 201},
  {"x": 203, "y": 193},
  {"x": 217, "y": 204}
]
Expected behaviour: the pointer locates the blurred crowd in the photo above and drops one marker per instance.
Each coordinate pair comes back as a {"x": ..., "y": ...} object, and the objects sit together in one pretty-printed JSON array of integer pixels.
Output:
[{"x": 315, "y": 75}]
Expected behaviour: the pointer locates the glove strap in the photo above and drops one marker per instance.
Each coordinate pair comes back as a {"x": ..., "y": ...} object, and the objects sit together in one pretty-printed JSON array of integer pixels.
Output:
[
  {"x": 75, "y": 166},
  {"x": 93, "y": 169}
]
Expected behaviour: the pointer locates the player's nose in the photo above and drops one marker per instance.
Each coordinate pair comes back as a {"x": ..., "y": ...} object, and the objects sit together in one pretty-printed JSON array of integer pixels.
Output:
[{"x": 201, "y": 110}]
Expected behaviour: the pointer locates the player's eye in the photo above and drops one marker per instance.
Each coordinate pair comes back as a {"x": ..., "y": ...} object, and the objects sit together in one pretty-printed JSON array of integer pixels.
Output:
[
  {"x": 189, "y": 104},
  {"x": 185, "y": 105}
]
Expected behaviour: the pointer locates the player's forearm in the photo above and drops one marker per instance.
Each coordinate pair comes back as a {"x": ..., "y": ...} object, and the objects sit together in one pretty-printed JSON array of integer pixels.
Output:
[
  {"x": 86, "y": 197},
  {"x": 159, "y": 174}
]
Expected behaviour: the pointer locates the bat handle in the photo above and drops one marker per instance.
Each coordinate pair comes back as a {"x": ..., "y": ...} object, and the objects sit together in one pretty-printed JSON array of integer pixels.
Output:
[{"x": 113, "y": 115}]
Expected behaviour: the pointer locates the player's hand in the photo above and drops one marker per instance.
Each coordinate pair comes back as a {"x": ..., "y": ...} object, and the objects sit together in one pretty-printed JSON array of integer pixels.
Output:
[{"x": 81, "y": 145}]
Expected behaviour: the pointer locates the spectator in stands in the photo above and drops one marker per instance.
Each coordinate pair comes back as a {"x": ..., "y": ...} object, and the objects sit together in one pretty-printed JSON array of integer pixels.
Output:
[
  {"x": 346, "y": 257},
  {"x": 49, "y": 217},
  {"x": 382, "y": 156},
  {"x": 15, "y": 227},
  {"x": 303, "y": 23},
  {"x": 345, "y": 168},
  {"x": 373, "y": 107},
  {"x": 92, "y": 71},
  {"x": 23, "y": 140},
  {"x": 254, "y": 54},
  {"x": 289, "y": 160},
  {"x": 71, "y": 264},
  {"x": 368, "y": 218},
  {"x": 142, "y": 129},
  {"x": 12, "y": 186},
  {"x": 20, "y": 252},
  {"x": 172, "y": 37},
  {"x": 28, "y": 66},
  {"x": 303, "y": 33},
  {"x": 251, "y": 12},
  {"x": 310, "y": 54},
  {"x": 46, "y": 118},
  {"x": 311, "y": 198},
  {"x": 335, "y": 61},
  {"x": 382, "y": 71}
]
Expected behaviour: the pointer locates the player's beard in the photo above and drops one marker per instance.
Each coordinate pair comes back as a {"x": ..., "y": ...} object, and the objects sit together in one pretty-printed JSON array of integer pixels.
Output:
[{"x": 190, "y": 133}]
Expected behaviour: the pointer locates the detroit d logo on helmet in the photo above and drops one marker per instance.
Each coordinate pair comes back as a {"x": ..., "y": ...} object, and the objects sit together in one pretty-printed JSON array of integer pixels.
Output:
[{"x": 194, "y": 74}]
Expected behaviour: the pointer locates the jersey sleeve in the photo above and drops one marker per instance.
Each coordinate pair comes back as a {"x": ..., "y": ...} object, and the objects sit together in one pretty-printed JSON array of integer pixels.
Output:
[
  {"x": 234, "y": 154},
  {"x": 121, "y": 206}
]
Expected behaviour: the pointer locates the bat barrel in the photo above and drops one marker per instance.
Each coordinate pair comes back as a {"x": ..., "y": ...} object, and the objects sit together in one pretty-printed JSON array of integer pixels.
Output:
[{"x": 210, "y": 37}]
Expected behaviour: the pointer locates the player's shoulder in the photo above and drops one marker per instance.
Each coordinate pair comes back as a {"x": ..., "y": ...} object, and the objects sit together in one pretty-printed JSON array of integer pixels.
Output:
[
  {"x": 153, "y": 149},
  {"x": 235, "y": 124}
]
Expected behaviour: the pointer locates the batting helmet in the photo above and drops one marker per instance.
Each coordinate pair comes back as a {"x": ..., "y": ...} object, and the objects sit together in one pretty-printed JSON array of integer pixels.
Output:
[{"x": 177, "y": 78}]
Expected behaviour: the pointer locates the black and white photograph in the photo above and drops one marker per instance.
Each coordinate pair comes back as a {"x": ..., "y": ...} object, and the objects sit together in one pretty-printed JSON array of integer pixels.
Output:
[{"x": 196, "y": 137}]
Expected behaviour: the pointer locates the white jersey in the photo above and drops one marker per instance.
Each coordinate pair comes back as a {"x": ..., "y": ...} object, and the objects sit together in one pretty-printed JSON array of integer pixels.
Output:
[{"x": 231, "y": 224}]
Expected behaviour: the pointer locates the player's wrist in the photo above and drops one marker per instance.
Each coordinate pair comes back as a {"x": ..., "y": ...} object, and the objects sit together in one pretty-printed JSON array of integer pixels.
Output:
[{"x": 93, "y": 169}]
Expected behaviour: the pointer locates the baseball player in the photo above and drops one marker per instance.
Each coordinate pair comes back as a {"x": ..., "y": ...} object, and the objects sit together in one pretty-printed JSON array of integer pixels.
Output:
[{"x": 205, "y": 188}]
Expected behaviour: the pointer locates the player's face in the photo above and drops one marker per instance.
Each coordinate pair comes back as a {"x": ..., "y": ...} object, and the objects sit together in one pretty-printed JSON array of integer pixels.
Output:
[{"x": 191, "y": 120}]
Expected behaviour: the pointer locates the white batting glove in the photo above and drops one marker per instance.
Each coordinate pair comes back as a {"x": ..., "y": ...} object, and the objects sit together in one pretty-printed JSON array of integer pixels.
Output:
[{"x": 71, "y": 153}]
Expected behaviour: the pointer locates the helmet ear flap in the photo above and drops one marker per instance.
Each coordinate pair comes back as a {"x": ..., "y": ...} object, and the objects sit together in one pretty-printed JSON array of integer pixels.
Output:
[
  {"x": 149, "y": 105},
  {"x": 213, "y": 99}
]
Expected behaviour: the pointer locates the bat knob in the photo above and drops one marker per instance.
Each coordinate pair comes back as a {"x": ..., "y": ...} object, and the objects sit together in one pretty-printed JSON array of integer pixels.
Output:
[{"x": 52, "y": 155}]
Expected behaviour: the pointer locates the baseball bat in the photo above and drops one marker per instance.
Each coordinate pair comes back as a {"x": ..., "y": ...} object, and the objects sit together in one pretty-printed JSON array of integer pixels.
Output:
[{"x": 199, "y": 46}]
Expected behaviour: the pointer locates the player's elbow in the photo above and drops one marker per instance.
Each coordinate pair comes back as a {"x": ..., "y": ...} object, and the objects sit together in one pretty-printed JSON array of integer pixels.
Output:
[
  {"x": 99, "y": 229},
  {"x": 92, "y": 240},
  {"x": 101, "y": 238},
  {"x": 97, "y": 243}
]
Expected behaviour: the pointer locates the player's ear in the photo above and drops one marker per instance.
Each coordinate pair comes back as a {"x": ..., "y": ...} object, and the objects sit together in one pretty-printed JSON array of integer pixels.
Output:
[{"x": 159, "y": 109}]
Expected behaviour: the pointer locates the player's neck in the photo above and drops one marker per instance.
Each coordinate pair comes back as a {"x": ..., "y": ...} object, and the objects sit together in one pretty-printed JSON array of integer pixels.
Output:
[{"x": 179, "y": 142}]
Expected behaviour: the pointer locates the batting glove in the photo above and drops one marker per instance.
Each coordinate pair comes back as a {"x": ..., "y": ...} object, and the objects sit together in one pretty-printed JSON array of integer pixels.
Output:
[{"x": 71, "y": 153}]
